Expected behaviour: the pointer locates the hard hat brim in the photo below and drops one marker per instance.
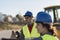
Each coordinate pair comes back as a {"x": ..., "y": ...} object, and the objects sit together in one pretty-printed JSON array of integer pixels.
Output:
[{"x": 28, "y": 15}]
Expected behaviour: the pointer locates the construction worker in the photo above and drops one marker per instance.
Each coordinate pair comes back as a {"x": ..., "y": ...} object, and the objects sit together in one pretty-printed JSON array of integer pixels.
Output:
[
  {"x": 29, "y": 30},
  {"x": 43, "y": 21},
  {"x": 56, "y": 28}
]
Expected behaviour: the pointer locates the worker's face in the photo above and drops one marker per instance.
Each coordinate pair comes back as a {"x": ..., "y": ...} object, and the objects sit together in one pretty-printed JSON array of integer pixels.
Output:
[
  {"x": 28, "y": 19},
  {"x": 40, "y": 28},
  {"x": 55, "y": 30}
]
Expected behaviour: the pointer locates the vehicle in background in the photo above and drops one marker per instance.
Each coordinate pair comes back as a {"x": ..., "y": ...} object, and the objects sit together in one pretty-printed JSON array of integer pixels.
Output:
[{"x": 54, "y": 11}]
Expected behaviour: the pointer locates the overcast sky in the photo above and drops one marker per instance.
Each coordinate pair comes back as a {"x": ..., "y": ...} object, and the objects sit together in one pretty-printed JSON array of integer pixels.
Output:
[{"x": 13, "y": 7}]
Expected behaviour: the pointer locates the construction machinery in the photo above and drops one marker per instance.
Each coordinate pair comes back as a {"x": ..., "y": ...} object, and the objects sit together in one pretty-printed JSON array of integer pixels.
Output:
[{"x": 54, "y": 11}]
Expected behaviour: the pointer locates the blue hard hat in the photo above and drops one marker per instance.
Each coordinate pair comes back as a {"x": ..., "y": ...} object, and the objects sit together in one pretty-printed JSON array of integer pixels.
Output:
[
  {"x": 43, "y": 17},
  {"x": 28, "y": 13}
]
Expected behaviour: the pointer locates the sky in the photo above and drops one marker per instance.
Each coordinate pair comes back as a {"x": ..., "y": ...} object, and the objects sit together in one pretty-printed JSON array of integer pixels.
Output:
[{"x": 13, "y": 7}]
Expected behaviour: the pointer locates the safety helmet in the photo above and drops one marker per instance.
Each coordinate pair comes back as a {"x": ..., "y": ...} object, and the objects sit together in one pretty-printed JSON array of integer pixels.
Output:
[
  {"x": 43, "y": 17},
  {"x": 28, "y": 13}
]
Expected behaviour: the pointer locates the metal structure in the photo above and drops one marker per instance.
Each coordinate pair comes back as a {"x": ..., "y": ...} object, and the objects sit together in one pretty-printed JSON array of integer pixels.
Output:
[{"x": 54, "y": 11}]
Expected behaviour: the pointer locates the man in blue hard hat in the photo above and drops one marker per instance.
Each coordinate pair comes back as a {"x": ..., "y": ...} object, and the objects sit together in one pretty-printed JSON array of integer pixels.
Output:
[
  {"x": 44, "y": 21},
  {"x": 29, "y": 30}
]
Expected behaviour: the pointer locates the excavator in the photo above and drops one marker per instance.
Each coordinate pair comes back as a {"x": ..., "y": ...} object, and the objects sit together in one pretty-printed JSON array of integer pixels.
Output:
[{"x": 54, "y": 11}]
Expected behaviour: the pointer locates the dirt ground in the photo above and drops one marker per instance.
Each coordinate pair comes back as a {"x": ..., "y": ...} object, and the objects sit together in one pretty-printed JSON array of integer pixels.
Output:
[{"x": 9, "y": 26}]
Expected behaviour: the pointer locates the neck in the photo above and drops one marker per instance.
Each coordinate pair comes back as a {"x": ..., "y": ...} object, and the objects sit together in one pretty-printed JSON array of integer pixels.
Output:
[{"x": 30, "y": 23}]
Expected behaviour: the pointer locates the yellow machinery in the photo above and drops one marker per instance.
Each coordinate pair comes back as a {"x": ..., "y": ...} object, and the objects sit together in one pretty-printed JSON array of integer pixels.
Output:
[{"x": 54, "y": 11}]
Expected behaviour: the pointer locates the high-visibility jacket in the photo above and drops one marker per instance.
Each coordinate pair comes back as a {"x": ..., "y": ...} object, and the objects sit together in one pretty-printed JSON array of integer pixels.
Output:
[
  {"x": 48, "y": 37},
  {"x": 33, "y": 33}
]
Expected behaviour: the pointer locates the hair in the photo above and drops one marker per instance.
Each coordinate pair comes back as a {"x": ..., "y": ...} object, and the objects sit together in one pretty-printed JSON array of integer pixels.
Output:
[{"x": 47, "y": 26}]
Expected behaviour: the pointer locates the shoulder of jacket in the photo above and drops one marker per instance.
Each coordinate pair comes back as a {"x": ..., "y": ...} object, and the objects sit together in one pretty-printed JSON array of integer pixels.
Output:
[{"x": 47, "y": 36}]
